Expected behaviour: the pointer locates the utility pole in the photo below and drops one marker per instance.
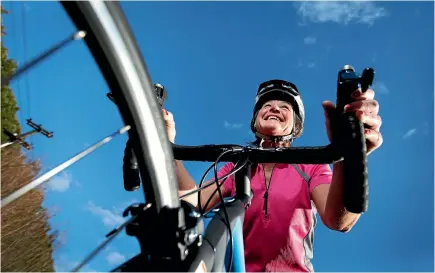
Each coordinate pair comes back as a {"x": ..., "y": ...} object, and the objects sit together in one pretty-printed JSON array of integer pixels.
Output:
[{"x": 14, "y": 138}]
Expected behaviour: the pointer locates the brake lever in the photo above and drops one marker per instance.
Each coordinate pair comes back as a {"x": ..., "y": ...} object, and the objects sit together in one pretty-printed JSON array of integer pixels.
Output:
[{"x": 349, "y": 80}]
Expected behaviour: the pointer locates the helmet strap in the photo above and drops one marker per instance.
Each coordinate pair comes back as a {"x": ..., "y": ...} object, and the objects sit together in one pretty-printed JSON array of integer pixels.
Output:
[{"x": 275, "y": 138}]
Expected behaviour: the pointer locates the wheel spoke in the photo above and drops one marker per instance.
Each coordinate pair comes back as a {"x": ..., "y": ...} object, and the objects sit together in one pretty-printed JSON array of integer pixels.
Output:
[
  {"x": 76, "y": 36},
  {"x": 43, "y": 178},
  {"x": 111, "y": 236}
]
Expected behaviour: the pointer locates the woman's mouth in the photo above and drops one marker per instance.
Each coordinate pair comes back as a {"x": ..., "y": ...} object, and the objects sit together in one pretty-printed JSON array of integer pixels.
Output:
[{"x": 273, "y": 118}]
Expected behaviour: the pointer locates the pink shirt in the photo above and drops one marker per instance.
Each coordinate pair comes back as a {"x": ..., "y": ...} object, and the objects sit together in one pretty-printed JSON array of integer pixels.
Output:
[{"x": 281, "y": 239}]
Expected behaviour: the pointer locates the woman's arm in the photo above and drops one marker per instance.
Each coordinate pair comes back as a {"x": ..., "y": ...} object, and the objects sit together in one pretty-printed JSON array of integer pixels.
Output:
[
  {"x": 329, "y": 203},
  {"x": 328, "y": 197},
  {"x": 186, "y": 185}
]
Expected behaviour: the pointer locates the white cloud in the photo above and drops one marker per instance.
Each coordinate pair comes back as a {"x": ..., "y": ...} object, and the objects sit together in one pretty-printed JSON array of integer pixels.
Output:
[
  {"x": 340, "y": 12},
  {"x": 115, "y": 258},
  {"x": 425, "y": 128},
  {"x": 63, "y": 264},
  {"x": 306, "y": 64},
  {"x": 121, "y": 207},
  {"x": 232, "y": 125},
  {"x": 381, "y": 88},
  {"x": 374, "y": 58},
  {"x": 309, "y": 40},
  {"x": 409, "y": 133},
  {"x": 60, "y": 182},
  {"x": 27, "y": 7},
  {"x": 108, "y": 217}
]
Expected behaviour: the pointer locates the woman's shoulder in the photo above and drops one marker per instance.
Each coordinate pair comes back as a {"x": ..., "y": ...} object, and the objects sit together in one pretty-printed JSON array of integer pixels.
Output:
[{"x": 310, "y": 169}]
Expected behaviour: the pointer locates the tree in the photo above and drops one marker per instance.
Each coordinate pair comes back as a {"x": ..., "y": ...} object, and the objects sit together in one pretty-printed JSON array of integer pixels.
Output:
[
  {"x": 8, "y": 102},
  {"x": 27, "y": 241}
]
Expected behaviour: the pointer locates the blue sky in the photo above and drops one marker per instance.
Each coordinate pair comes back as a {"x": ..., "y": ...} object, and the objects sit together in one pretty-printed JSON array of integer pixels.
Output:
[{"x": 211, "y": 56}]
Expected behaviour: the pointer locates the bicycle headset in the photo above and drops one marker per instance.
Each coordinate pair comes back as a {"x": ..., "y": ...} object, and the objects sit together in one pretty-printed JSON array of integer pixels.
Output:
[{"x": 284, "y": 91}]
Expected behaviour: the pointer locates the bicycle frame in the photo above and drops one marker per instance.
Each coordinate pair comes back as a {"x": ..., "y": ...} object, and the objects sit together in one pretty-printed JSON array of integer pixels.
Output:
[
  {"x": 217, "y": 238},
  {"x": 211, "y": 254},
  {"x": 238, "y": 264}
]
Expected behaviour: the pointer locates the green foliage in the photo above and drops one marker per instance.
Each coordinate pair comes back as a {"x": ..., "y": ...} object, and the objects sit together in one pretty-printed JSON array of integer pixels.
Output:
[
  {"x": 9, "y": 106},
  {"x": 27, "y": 241}
]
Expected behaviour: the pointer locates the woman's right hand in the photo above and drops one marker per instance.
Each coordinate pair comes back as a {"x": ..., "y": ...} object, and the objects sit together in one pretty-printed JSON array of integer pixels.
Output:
[{"x": 170, "y": 125}]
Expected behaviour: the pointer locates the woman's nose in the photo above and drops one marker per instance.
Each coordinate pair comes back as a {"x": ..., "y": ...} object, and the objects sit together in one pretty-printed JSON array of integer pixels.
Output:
[{"x": 275, "y": 107}]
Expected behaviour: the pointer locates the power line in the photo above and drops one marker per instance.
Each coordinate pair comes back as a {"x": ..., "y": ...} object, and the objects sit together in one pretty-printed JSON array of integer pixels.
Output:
[{"x": 25, "y": 57}]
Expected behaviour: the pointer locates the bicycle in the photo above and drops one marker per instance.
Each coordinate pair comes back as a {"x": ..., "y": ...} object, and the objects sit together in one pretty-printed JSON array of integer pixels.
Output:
[{"x": 183, "y": 248}]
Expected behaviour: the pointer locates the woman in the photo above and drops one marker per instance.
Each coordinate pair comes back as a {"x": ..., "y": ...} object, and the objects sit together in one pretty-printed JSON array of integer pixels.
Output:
[{"x": 278, "y": 226}]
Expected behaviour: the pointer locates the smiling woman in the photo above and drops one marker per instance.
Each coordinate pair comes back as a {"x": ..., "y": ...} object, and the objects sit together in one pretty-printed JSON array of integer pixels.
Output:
[{"x": 278, "y": 226}]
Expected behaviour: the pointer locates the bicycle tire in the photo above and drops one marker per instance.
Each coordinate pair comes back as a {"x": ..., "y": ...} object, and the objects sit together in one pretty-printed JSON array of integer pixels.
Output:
[{"x": 113, "y": 46}]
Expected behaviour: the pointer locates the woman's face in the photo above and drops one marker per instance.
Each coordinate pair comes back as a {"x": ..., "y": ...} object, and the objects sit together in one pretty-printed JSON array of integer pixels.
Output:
[{"x": 275, "y": 118}]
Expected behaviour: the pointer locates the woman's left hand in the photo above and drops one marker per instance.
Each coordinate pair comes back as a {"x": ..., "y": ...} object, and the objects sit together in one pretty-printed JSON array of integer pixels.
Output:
[{"x": 366, "y": 109}]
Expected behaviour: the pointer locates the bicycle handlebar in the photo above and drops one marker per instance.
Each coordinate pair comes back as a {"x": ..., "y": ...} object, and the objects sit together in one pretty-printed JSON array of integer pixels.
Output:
[
  {"x": 348, "y": 145},
  {"x": 298, "y": 155}
]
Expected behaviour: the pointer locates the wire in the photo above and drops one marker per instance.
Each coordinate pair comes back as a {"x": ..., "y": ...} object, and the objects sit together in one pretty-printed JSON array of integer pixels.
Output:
[
  {"x": 224, "y": 208},
  {"x": 26, "y": 78},
  {"x": 211, "y": 197},
  {"x": 225, "y": 177},
  {"x": 226, "y": 221},
  {"x": 200, "y": 185},
  {"x": 208, "y": 184},
  {"x": 49, "y": 174},
  {"x": 215, "y": 191}
]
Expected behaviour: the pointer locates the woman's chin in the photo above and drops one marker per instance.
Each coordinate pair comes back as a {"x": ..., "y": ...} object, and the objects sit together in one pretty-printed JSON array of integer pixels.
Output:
[{"x": 271, "y": 131}]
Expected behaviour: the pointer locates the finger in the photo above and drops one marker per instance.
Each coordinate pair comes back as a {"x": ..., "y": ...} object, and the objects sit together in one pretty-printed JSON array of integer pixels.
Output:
[
  {"x": 374, "y": 139},
  {"x": 167, "y": 115},
  {"x": 328, "y": 105},
  {"x": 328, "y": 108},
  {"x": 369, "y": 94},
  {"x": 369, "y": 107},
  {"x": 369, "y": 122}
]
